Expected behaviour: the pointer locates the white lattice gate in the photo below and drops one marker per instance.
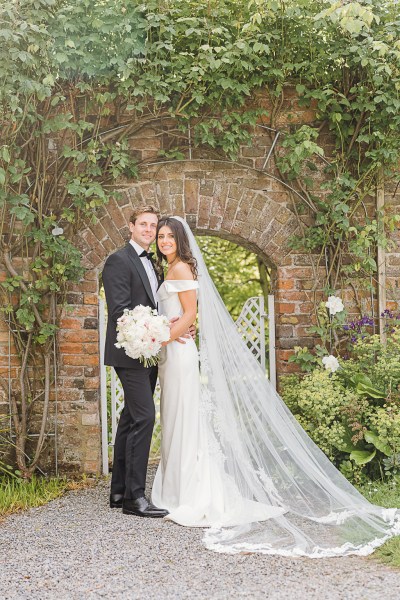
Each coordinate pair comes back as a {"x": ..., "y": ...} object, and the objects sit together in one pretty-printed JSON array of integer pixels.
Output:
[{"x": 250, "y": 323}]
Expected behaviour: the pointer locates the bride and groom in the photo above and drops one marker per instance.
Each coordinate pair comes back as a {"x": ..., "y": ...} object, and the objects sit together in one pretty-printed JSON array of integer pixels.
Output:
[{"x": 233, "y": 458}]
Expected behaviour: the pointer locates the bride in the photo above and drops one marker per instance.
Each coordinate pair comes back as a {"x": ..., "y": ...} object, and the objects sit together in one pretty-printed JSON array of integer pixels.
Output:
[{"x": 233, "y": 458}]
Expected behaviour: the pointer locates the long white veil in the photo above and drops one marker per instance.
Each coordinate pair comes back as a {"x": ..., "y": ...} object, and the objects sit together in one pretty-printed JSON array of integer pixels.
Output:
[{"x": 269, "y": 456}]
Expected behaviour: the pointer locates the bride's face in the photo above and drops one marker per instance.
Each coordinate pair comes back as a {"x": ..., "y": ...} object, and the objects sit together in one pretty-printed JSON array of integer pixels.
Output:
[{"x": 166, "y": 243}]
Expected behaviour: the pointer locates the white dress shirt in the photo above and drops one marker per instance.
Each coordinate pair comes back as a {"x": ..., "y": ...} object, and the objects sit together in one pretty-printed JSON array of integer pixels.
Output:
[{"x": 148, "y": 267}]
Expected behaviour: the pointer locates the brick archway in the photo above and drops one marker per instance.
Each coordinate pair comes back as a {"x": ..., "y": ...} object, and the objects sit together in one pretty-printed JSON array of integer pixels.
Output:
[{"x": 219, "y": 198}]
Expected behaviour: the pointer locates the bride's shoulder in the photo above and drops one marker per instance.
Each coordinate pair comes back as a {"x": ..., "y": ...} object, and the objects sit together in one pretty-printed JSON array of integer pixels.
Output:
[{"x": 182, "y": 271}]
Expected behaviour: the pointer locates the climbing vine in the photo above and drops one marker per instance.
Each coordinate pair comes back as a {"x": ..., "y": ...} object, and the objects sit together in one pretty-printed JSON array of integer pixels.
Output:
[
  {"x": 357, "y": 102},
  {"x": 79, "y": 78}
]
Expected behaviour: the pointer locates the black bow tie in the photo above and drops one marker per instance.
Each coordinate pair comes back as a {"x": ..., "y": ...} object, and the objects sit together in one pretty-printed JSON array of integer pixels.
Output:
[{"x": 145, "y": 254}]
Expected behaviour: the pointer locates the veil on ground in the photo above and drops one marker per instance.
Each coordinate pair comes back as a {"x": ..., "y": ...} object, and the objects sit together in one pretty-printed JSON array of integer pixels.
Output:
[{"x": 269, "y": 457}]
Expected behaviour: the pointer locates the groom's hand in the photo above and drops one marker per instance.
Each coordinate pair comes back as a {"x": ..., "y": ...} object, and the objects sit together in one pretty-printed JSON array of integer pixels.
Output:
[
  {"x": 192, "y": 331},
  {"x": 187, "y": 335}
]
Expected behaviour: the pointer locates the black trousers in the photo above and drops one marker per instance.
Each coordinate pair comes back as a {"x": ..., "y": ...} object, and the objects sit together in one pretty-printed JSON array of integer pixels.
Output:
[{"x": 134, "y": 432}]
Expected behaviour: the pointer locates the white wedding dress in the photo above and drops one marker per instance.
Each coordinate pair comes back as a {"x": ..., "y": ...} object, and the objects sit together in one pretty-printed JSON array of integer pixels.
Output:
[
  {"x": 190, "y": 482},
  {"x": 233, "y": 457}
]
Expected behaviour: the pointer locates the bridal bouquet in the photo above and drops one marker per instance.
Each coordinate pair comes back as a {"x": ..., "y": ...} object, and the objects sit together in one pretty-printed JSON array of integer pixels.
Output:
[{"x": 140, "y": 333}]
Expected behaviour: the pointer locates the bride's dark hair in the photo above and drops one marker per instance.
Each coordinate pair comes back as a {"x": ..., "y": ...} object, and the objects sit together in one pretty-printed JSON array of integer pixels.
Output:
[{"x": 183, "y": 251}]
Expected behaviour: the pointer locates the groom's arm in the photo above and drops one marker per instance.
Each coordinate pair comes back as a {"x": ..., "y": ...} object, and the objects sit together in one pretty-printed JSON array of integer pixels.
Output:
[{"x": 117, "y": 286}]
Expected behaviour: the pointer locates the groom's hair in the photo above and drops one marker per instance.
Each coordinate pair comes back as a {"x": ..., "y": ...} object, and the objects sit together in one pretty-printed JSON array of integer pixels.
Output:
[{"x": 139, "y": 210}]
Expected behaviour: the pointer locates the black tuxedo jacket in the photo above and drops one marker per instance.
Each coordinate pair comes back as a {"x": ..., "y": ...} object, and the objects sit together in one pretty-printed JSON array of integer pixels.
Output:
[{"x": 126, "y": 285}]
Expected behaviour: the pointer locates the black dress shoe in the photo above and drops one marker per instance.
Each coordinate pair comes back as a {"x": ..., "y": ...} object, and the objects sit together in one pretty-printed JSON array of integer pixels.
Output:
[
  {"x": 141, "y": 507},
  {"x": 116, "y": 500}
]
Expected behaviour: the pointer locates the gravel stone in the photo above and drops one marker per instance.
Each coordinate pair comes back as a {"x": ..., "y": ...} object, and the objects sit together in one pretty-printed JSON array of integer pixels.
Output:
[{"x": 76, "y": 547}]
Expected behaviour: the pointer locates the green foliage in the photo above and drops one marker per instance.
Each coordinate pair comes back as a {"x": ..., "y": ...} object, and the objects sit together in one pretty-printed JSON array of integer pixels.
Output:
[
  {"x": 234, "y": 270},
  {"x": 17, "y": 494},
  {"x": 317, "y": 401},
  {"x": 327, "y": 329},
  {"x": 304, "y": 358},
  {"x": 300, "y": 148},
  {"x": 352, "y": 79},
  {"x": 97, "y": 40},
  {"x": 20, "y": 494},
  {"x": 382, "y": 364},
  {"x": 354, "y": 414}
]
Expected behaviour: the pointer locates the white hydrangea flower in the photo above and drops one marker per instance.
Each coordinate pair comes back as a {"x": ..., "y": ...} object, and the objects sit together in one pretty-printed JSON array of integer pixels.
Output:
[
  {"x": 334, "y": 304},
  {"x": 330, "y": 363}
]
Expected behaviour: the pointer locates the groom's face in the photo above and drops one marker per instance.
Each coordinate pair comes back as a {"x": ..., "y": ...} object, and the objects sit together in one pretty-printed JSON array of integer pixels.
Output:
[{"x": 143, "y": 230}]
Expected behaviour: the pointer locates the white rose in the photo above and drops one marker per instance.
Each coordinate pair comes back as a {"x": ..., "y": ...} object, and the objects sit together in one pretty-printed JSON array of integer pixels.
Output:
[
  {"x": 334, "y": 304},
  {"x": 141, "y": 312},
  {"x": 330, "y": 363}
]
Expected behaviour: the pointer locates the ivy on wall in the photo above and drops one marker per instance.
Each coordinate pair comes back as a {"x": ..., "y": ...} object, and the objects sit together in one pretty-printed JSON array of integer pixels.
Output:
[{"x": 80, "y": 78}]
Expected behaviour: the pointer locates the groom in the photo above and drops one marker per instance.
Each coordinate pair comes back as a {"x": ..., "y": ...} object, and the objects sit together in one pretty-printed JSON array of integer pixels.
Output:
[{"x": 130, "y": 279}]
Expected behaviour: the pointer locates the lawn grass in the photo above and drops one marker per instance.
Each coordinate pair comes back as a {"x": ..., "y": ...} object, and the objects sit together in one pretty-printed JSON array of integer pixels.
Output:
[
  {"x": 17, "y": 494},
  {"x": 387, "y": 495}
]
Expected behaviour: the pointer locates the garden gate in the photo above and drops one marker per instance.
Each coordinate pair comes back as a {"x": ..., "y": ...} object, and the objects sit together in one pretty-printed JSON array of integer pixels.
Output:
[{"x": 250, "y": 323}]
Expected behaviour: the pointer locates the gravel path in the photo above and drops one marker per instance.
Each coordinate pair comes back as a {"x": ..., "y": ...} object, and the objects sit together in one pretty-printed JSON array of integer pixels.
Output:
[{"x": 78, "y": 548}]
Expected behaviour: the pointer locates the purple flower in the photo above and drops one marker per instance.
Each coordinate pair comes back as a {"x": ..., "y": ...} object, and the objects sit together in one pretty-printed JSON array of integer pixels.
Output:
[
  {"x": 359, "y": 324},
  {"x": 387, "y": 314}
]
